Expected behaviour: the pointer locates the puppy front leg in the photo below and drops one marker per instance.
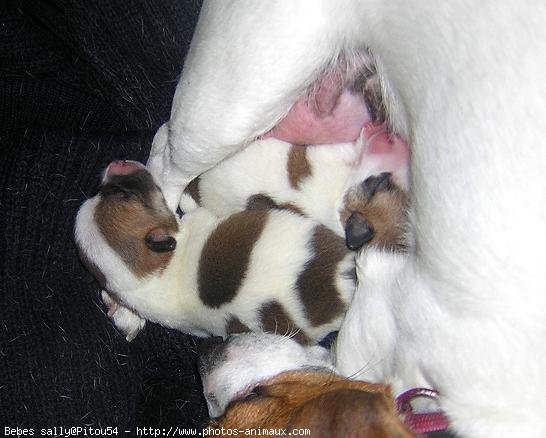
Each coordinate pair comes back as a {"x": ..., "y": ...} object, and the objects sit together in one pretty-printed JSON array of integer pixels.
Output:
[
  {"x": 125, "y": 320},
  {"x": 248, "y": 63}
]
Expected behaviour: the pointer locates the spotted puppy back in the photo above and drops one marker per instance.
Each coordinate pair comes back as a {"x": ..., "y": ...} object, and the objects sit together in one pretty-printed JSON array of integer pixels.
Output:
[{"x": 276, "y": 271}]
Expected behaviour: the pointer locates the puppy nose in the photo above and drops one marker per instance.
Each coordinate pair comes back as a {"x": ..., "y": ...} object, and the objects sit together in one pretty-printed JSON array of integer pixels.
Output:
[
  {"x": 208, "y": 345},
  {"x": 358, "y": 232},
  {"x": 123, "y": 167}
]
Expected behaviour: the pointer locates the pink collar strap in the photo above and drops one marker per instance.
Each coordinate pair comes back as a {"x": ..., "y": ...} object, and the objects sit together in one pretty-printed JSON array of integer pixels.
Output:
[{"x": 425, "y": 422}]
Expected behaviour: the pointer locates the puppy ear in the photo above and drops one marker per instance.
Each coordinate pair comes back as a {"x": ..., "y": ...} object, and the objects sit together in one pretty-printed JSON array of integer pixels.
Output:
[
  {"x": 375, "y": 183},
  {"x": 159, "y": 240},
  {"x": 358, "y": 231}
]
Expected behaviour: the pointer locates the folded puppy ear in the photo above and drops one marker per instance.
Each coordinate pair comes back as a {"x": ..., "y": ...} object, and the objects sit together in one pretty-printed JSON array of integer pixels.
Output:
[
  {"x": 373, "y": 184},
  {"x": 159, "y": 240},
  {"x": 358, "y": 231}
]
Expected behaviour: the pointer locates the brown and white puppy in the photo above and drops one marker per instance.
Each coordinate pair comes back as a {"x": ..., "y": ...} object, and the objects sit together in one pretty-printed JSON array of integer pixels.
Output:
[
  {"x": 265, "y": 381},
  {"x": 331, "y": 184},
  {"x": 259, "y": 269},
  {"x": 269, "y": 270}
]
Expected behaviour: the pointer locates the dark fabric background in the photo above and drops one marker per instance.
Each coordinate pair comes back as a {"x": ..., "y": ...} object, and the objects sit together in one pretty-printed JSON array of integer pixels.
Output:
[{"x": 81, "y": 83}]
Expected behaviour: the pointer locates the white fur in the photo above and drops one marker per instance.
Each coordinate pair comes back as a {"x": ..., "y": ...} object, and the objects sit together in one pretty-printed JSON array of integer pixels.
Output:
[
  {"x": 127, "y": 321},
  {"x": 253, "y": 358},
  {"x": 261, "y": 168},
  {"x": 463, "y": 82}
]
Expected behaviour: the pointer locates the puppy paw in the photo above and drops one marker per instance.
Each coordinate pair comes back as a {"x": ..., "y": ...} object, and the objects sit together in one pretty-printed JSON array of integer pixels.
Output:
[{"x": 125, "y": 320}]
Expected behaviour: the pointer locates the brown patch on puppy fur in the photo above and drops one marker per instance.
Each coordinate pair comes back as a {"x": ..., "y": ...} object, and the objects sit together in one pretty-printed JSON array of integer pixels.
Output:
[
  {"x": 130, "y": 208},
  {"x": 349, "y": 413},
  {"x": 317, "y": 282},
  {"x": 261, "y": 202},
  {"x": 293, "y": 208},
  {"x": 327, "y": 404},
  {"x": 236, "y": 326},
  {"x": 275, "y": 320},
  {"x": 384, "y": 208},
  {"x": 297, "y": 165},
  {"x": 264, "y": 202},
  {"x": 220, "y": 274}
]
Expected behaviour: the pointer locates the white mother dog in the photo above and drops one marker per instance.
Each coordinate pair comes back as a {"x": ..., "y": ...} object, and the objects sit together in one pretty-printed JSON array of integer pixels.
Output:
[{"x": 463, "y": 81}]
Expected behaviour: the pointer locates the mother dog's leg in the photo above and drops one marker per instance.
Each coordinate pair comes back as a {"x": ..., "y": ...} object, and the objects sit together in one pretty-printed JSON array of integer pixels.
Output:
[
  {"x": 466, "y": 311},
  {"x": 248, "y": 63}
]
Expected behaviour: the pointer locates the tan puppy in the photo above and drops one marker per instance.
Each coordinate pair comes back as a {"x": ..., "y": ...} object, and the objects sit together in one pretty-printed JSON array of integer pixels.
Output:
[{"x": 262, "y": 381}]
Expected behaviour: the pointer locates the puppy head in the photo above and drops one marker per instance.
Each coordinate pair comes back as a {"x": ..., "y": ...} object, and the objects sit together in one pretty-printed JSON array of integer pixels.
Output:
[
  {"x": 126, "y": 232},
  {"x": 375, "y": 212},
  {"x": 231, "y": 370},
  {"x": 267, "y": 381},
  {"x": 374, "y": 208}
]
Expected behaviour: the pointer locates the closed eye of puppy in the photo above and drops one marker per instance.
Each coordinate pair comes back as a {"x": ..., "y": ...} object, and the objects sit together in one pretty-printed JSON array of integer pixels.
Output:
[
  {"x": 266, "y": 381},
  {"x": 256, "y": 270}
]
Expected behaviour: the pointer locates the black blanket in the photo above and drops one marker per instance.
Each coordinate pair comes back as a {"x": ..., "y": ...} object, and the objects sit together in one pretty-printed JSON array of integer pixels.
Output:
[{"x": 81, "y": 83}]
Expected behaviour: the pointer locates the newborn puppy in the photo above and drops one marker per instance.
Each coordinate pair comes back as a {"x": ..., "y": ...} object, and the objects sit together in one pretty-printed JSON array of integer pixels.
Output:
[
  {"x": 330, "y": 184},
  {"x": 265, "y": 381},
  {"x": 257, "y": 270}
]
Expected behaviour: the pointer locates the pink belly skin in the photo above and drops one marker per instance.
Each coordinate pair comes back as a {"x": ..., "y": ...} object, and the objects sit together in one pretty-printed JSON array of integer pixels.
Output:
[
  {"x": 382, "y": 142},
  {"x": 317, "y": 121},
  {"x": 305, "y": 124},
  {"x": 330, "y": 112}
]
